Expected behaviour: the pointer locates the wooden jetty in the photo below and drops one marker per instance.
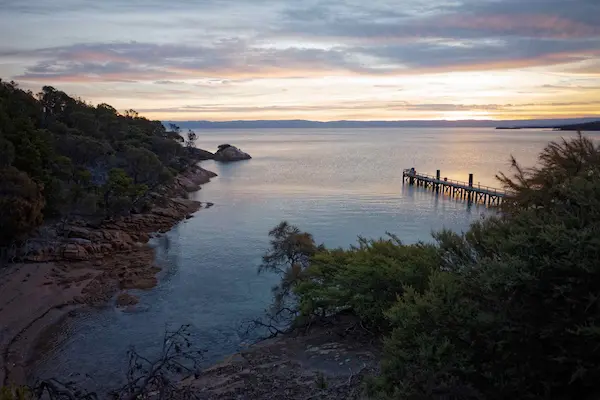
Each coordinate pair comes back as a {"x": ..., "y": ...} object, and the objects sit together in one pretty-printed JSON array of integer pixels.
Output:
[{"x": 464, "y": 190}]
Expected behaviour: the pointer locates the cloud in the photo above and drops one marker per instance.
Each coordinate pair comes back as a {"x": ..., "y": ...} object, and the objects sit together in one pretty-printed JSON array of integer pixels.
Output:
[
  {"x": 225, "y": 46},
  {"x": 235, "y": 59},
  {"x": 229, "y": 59},
  {"x": 590, "y": 68},
  {"x": 339, "y": 37},
  {"x": 167, "y": 82},
  {"x": 462, "y": 35},
  {"x": 465, "y": 19},
  {"x": 576, "y": 88},
  {"x": 353, "y": 105}
]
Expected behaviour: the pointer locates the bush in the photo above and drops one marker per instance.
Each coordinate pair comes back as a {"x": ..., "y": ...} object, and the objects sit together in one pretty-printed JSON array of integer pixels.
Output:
[
  {"x": 68, "y": 147},
  {"x": 366, "y": 279},
  {"x": 15, "y": 393},
  {"x": 21, "y": 205},
  {"x": 510, "y": 309},
  {"x": 517, "y": 316}
]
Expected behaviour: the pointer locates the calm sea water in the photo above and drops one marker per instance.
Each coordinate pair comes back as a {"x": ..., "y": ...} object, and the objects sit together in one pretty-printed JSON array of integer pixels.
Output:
[{"x": 336, "y": 184}]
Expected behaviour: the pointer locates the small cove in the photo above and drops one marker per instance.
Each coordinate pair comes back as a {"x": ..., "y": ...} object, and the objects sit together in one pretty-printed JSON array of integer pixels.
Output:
[{"x": 336, "y": 184}]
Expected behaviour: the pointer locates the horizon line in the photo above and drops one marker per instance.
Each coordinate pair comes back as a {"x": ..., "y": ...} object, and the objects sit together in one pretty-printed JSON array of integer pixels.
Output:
[{"x": 593, "y": 117}]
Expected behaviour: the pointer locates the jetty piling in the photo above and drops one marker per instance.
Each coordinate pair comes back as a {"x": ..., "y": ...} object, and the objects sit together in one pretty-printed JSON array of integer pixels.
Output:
[{"x": 464, "y": 190}]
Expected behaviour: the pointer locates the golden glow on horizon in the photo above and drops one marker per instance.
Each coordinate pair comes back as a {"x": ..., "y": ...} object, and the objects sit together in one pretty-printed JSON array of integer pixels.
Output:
[
  {"x": 529, "y": 93},
  {"x": 495, "y": 95},
  {"x": 341, "y": 59}
]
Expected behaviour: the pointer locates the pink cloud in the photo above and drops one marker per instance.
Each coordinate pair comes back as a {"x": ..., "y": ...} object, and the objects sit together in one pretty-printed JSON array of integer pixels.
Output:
[{"x": 538, "y": 25}]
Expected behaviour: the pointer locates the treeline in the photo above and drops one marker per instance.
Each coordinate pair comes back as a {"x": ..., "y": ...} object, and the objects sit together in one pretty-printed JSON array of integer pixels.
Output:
[
  {"x": 508, "y": 310},
  {"x": 61, "y": 157},
  {"x": 588, "y": 126}
]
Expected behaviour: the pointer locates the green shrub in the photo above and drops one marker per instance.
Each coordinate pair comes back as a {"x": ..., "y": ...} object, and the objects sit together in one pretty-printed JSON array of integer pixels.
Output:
[
  {"x": 366, "y": 279},
  {"x": 516, "y": 315},
  {"x": 508, "y": 310},
  {"x": 21, "y": 205},
  {"x": 15, "y": 393},
  {"x": 68, "y": 147}
]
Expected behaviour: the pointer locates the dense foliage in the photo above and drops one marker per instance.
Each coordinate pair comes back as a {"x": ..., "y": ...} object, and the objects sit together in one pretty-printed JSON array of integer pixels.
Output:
[
  {"x": 508, "y": 310},
  {"x": 60, "y": 156}
]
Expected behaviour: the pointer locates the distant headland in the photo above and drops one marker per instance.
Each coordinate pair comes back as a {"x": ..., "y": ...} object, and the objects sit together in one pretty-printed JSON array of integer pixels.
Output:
[
  {"x": 579, "y": 126},
  {"x": 347, "y": 124}
]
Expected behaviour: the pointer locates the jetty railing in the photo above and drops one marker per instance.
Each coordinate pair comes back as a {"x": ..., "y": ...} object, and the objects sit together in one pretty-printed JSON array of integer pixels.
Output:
[{"x": 453, "y": 187}]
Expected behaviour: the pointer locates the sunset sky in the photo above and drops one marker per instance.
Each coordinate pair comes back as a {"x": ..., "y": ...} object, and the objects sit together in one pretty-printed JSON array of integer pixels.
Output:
[{"x": 309, "y": 59}]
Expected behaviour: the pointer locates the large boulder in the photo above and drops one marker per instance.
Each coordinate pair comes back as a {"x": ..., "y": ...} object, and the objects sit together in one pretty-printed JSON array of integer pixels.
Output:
[{"x": 228, "y": 153}]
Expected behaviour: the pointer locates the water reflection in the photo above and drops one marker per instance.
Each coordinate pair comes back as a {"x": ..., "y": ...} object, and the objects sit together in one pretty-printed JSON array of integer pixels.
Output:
[{"x": 335, "y": 184}]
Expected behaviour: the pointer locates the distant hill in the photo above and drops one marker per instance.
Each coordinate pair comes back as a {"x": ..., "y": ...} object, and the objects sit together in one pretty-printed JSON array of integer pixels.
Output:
[
  {"x": 583, "y": 124},
  {"x": 306, "y": 124},
  {"x": 589, "y": 126}
]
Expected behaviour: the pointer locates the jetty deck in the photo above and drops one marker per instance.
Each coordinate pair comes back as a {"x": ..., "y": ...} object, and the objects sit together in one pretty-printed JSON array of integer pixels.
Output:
[{"x": 464, "y": 190}]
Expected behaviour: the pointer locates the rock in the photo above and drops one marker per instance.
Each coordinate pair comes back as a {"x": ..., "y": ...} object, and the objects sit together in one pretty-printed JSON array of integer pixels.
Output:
[
  {"x": 126, "y": 299},
  {"x": 74, "y": 251},
  {"x": 80, "y": 241},
  {"x": 142, "y": 283},
  {"x": 200, "y": 154},
  {"x": 78, "y": 232},
  {"x": 294, "y": 366},
  {"x": 227, "y": 153},
  {"x": 191, "y": 179}
]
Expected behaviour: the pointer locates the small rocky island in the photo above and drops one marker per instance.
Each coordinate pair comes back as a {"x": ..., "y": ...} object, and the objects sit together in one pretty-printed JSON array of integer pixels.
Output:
[{"x": 228, "y": 153}]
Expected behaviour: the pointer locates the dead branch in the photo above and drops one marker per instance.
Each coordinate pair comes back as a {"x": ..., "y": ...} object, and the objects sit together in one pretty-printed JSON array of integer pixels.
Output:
[{"x": 159, "y": 379}]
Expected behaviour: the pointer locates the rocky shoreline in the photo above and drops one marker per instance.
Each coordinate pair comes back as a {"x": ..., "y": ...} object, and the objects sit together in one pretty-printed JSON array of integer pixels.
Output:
[
  {"x": 82, "y": 264},
  {"x": 91, "y": 265},
  {"x": 329, "y": 360}
]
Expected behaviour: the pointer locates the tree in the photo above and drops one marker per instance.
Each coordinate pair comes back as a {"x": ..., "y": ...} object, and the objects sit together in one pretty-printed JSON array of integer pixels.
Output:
[
  {"x": 86, "y": 122},
  {"x": 289, "y": 255},
  {"x": 174, "y": 128},
  {"x": 365, "y": 279},
  {"x": 131, "y": 113},
  {"x": 119, "y": 192},
  {"x": 289, "y": 247},
  {"x": 191, "y": 136},
  {"x": 7, "y": 153},
  {"x": 21, "y": 205},
  {"x": 83, "y": 150},
  {"x": 69, "y": 147},
  {"x": 514, "y": 311},
  {"x": 508, "y": 309},
  {"x": 167, "y": 150},
  {"x": 559, "y": 164},
  {"x": 174, "y": 133},
  {"x": 144, "y": 167},
  {"x": 106, "y": 109}
]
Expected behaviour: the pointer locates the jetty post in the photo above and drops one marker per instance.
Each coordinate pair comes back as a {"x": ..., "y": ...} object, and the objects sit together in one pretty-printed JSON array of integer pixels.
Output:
[{"x": 463, "y": 190}]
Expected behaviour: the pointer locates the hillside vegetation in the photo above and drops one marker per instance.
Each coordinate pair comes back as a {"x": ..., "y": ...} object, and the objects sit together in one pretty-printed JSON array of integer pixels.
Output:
[
  {"x": 588, "y": 126},
  {"x": 508, "y": 310},
  {"x": 61, "y": 157}
]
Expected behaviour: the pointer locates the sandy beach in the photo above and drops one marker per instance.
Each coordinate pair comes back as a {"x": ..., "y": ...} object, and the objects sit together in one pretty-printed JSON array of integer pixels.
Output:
[{"x": 90, "y": 266}]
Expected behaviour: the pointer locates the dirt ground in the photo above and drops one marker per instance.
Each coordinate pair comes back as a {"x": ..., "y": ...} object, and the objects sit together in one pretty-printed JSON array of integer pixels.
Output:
[{"x": 325, "y": 362}]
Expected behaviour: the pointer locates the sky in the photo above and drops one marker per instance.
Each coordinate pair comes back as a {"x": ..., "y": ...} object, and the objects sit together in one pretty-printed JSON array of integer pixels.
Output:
[{"x": 311, "y": 59}]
